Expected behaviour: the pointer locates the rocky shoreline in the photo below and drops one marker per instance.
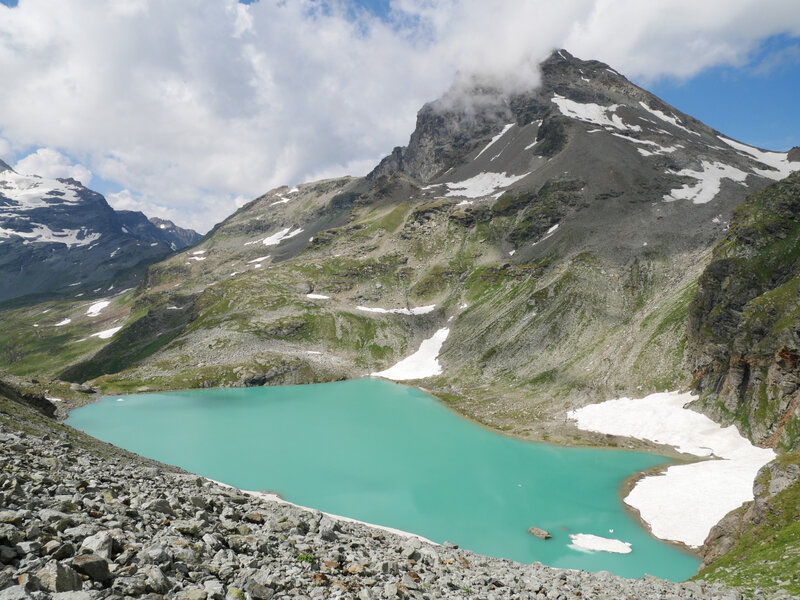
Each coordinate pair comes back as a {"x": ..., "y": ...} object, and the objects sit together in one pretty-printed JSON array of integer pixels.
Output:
[{"x": 80, "y": 519}]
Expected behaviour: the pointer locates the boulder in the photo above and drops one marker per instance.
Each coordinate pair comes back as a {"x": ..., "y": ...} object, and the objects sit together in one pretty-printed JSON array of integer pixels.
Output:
[
  {"x": 93, "y": 566},
  {"x": 539, "y": 533},
  {"x": 58, "y": 577}
]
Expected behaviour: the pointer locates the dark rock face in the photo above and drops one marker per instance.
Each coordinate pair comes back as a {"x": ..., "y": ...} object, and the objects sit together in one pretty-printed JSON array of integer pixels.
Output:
[
  {"x": 744, "y": 324},
  {"x": 180, "y": 237},
  {"x": 56, "y": 234},
  {"x": 771, "y": 514}
]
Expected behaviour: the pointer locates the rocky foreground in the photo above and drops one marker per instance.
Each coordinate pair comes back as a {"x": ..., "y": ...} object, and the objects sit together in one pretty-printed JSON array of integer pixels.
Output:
[{"x": 80, "y": 520}]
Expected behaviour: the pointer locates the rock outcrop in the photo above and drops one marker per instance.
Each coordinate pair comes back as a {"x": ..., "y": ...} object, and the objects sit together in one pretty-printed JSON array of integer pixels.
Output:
[
  {"x": 744, "y": 322},
  {"x": 758, "y": 542}
]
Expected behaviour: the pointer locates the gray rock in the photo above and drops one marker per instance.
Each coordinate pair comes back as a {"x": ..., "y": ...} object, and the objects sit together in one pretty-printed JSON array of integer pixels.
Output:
[
  {"x": 92, "y": 565},
  {"x": 539, "y": 533},
  {"x": 58, "y": 577},
  {"x": 100, "y": 543},
  {"x": 16, "y": 592}
]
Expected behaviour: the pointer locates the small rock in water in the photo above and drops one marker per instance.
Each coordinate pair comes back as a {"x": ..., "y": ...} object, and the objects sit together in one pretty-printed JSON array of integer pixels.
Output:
[{"x": 540, "y": 533}]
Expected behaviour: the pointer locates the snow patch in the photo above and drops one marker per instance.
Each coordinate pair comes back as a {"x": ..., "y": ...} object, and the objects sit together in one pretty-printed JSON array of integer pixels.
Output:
[
  {"x": 482, "y": 184},
  {"x": 586, "y": 542},
  {"x": 96, "y": 308},
  {"x": 62, "y": 323},
  {"x": 421, "y": 310},
  {"x": 494, "y": 139},
  {"x": 592, "y": 113},
  {"x": 686, "y": 501},
  {"x": 423, "y": 363},
  {"x": 258, "y": 260},
  {"x": 42, "y": 234},
  {"x": 318, "y": 297},
  {"x": 671, "y": 119},
  {"x": 197, "y": 252},
  {"x": 277, "y": 238},
  {"x": 104, "y": 335},
  {"x": 198, "y": 258},
  {"x": 709, "y": 180},
  {"x": 779, "y": 161}
]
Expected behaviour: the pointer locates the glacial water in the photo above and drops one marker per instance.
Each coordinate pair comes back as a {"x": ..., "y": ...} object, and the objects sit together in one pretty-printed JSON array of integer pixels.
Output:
[{"x": 391, "y": 455}]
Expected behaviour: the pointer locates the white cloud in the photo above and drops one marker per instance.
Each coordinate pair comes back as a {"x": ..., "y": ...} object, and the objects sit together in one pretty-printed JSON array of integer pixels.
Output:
[
  {"x": 51, "y": 164},
  {"x": 193, "y": 106}
]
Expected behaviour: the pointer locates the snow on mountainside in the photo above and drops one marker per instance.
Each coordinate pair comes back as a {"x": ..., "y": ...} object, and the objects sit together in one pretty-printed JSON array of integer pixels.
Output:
[
  {"x": 56, "y": 232},
  {"x": 557, "y": 234}
]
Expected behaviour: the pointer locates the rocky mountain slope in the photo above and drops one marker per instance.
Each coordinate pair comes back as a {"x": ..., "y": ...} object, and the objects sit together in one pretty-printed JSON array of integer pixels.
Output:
[
  {"x": 558, "y": 235},
  {"x": 57, "y": 235},
  {"x": 758, "y": 545},
  {"x": 744, "y": 322},
  {"x": 83, "y": 520}
]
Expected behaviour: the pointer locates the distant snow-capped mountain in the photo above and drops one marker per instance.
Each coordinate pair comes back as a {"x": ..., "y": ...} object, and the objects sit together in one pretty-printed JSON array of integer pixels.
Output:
[{"x": 56, "y": 233}]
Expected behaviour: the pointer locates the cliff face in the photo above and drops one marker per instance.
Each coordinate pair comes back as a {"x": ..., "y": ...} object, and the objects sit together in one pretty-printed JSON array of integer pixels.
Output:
[
  {"x": 744, "y": 322},
  {"x": 758, "y": 545}
]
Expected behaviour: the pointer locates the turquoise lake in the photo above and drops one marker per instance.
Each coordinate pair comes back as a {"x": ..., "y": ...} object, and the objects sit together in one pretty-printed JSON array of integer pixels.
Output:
[{"x": 391, "y": 455}]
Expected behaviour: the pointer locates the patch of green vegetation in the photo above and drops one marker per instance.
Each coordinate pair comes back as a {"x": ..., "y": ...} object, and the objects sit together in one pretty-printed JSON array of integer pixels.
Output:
[
  {"x": 306, "y": 557},
  {"x": 767, "y": 555}
]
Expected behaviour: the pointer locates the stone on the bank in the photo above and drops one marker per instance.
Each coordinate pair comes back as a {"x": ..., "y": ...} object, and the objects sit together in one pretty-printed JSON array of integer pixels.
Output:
[
  {"x": 156, "y": 579},
  {"x": 93, "y": 566},
  {"x": 186, "y": 527},
  {"x": 158, "y": 505},
  {"x": 101, "y": 544},
  {"x": 327, "y": 529},
  {"x": 411, "y": 548},
  {"x": 539, "y": 533},
  {"x": 72, "y": 596},
  {"x": 16, "y": 592},
  {"x": 58, "y": 577}
]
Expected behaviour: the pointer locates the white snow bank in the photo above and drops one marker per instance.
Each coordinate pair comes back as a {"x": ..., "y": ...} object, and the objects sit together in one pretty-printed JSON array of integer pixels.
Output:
[
  {"x": 586, "y": 542},
  {"x": 494, "y": 139},
  {"x": 482, "y": 184},
  {"x": 196, "y": 252},
  {"x": 420, "y": 310},
  {"x": 62, "y": 323},
  {"x": 318, "y": 297},
  {"x": 686, "y": 501},
  {"x": 423, "y": 363},
  {"x": 657, "y": 148},
  {"x": 671, "y": 119},
  {"x": 777, "y": 160},
  {"x": 709, "y": 180},
  {"x": 258, "y": 260},
  {"x": 42, "y": 234},
  {"x": 96, "y": 308},
  {"x": 104, "y": 335},
  {"x": 592, "y": 113},
  {"x": 277, "y": 238}
]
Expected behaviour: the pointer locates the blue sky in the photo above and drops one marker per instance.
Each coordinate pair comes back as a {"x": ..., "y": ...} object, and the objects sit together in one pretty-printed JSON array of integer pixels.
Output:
[{"x": 187, "y": 110}]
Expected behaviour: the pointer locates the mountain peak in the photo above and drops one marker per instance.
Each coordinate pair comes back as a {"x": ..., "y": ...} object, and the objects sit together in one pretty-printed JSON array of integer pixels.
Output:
[{"x": 4, "y": 167}]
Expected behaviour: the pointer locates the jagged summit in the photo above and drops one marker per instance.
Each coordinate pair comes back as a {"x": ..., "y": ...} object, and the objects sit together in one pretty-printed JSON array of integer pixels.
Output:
[{"x": 4, "y": 167}]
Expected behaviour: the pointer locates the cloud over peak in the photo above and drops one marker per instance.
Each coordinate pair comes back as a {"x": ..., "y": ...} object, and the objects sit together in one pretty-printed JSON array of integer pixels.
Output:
[{"x": 190, "y": 106}]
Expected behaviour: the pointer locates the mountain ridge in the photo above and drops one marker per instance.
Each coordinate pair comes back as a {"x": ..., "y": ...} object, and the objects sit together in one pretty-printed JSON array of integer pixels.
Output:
[{"x": 56, "y": 233}]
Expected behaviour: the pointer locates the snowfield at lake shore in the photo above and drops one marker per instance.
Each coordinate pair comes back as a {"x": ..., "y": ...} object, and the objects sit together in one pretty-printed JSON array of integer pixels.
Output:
[
  {"x": 685, "y": 502},
  {"x": 423, "y": 363}
]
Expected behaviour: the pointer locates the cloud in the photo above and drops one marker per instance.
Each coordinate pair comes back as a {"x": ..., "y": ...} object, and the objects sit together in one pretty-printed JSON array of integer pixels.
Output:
[
  {"x": 51, "y": 164},
  {"x": 193, "y": 106}
]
